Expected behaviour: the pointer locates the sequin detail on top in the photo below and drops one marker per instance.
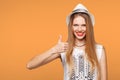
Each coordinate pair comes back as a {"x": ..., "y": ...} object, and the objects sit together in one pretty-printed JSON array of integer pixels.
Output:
[{"x": 81, "y": 69}]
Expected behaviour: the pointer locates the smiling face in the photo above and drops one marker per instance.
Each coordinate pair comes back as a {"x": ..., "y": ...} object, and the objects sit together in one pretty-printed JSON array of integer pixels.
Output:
[{"x": 79, "y": 27}]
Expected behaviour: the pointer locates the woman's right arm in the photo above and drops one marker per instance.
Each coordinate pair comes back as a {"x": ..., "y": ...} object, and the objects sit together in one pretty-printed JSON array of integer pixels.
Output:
[{"x": 49, "y": 55}]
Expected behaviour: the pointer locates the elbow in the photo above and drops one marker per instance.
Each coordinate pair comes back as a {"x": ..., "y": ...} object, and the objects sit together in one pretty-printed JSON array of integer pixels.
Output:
[
  {"x": 31, "y": 66},
  {"x": 28, "y": 66}
]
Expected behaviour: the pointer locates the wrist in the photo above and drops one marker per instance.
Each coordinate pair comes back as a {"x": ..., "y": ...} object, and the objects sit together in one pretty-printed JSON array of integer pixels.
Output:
[{"x": 52, "y": 51}]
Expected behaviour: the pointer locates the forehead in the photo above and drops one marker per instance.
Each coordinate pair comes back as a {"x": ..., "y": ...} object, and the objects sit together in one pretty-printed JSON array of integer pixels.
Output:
[{"x": 79, "y": 20}]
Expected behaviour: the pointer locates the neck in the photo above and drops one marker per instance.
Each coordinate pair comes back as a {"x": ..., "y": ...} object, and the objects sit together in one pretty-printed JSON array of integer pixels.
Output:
[{"x": 79, "y": 43}]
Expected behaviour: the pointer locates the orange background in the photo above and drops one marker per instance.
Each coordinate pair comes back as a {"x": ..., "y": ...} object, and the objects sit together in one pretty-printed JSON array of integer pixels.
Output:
[{"x": 30, "y": 27}]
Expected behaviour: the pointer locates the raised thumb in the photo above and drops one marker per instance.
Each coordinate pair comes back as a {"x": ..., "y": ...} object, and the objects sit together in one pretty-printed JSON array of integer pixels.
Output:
[{"x": 60, "y": 39}]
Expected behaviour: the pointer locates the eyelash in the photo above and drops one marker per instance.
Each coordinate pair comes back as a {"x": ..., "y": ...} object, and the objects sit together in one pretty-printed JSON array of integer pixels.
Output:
[
  {"x": 82, "y": 25},
  {"x": 75, "y": 25}
]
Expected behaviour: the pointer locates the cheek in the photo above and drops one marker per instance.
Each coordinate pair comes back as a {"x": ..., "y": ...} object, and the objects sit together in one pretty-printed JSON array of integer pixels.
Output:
[
  {"x": 74, "y": 29},
  {"x": 84, "y": 29}
]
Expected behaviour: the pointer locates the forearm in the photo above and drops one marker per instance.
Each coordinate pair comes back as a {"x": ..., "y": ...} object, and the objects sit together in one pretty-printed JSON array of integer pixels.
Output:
[{"x": 41, "y": 59}]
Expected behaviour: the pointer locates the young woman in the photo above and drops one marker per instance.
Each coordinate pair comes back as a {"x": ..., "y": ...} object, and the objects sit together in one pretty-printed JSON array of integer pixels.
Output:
[{"x": 81, "y": 56}]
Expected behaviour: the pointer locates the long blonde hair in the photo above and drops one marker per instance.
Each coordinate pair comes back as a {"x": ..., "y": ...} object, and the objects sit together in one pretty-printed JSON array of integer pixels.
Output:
[{"x": 90, "y": 42}]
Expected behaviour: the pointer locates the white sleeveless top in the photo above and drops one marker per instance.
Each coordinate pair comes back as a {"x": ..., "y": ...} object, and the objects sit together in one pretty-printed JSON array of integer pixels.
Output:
[{"x": 81, "y": 69}]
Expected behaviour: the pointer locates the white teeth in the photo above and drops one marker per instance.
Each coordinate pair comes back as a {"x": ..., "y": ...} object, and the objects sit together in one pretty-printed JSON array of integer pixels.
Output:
[{"x": 79, "y": 33}]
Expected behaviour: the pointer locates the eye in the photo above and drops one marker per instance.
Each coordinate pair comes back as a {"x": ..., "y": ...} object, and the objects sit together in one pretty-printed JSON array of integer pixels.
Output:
[
  {"x": 75, "y": 25},
  {"x": 84, "y": 25}
]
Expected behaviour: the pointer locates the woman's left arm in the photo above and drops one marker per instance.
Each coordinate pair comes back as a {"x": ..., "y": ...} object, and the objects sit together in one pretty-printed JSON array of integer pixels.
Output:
[{"x": 103, "y": 65}]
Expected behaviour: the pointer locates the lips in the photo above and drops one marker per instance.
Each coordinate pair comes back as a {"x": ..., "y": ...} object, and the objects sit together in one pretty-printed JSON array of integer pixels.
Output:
[{"x": 80, "y": 33}]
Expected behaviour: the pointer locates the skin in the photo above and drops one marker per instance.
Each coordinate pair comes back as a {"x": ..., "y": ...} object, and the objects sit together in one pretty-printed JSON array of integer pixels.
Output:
[{"x": 79, "y": 29}]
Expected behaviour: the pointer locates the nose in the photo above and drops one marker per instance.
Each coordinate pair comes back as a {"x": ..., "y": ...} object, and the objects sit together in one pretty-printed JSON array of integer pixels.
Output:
[{"x": 79, "y": 28}]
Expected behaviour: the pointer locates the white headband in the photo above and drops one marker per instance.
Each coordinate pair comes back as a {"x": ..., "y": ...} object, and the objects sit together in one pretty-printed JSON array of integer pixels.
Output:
[{"x": 83, "y": 9}]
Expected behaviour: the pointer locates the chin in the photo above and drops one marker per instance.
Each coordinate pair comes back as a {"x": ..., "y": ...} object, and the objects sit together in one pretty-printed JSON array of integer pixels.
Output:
[{"x": 80, "y": 38}]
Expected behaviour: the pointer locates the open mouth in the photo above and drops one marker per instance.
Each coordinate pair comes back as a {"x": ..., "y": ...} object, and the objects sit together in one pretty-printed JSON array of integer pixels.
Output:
[{"x": 80, "y": 33}]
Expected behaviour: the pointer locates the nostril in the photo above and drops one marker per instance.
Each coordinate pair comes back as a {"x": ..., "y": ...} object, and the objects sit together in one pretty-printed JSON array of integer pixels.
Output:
[{"x": 79, "y": 29}]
